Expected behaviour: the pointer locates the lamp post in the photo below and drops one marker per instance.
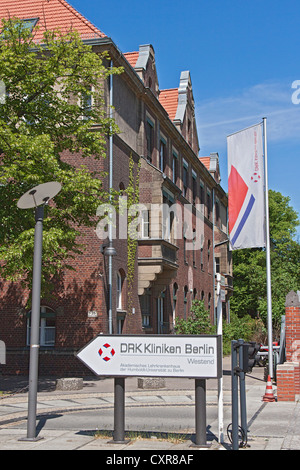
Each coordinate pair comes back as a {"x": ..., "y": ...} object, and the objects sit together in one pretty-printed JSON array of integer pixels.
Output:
[
  {"x": 36, "y": 198},
  {"x": 109, "y": 251}
]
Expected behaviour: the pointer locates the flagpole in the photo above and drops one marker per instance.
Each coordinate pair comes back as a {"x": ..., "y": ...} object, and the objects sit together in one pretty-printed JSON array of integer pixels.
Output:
[{"x": 268, "y": 259}]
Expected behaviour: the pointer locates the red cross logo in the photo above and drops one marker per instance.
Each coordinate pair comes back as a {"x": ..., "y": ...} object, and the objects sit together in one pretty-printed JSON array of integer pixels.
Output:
[{"x": 107, "y": 352}]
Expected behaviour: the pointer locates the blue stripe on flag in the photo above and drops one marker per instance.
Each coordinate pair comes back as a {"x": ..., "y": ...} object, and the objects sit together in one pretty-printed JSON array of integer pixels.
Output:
[{"x": 244, "y": 219}]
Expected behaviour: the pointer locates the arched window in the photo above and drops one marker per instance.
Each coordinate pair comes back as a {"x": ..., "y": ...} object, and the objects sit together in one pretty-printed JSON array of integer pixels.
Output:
[
  {"x": 47, "y": 327},
  {"x": 194, "y": 247},
  {"x": 209, "y": 301},
  {"x": 185, "y": 293}
]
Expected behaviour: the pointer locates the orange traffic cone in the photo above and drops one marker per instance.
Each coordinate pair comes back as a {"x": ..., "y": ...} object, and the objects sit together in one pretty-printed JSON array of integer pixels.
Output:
[{"x": 268, "y": 396}]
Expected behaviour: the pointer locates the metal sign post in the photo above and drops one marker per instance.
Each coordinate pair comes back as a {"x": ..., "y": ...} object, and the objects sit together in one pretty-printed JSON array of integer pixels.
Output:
[
  {"x": 200, "y": 413},
  {"x": 119, "y": 412},
  {"x": 243, "y": 359},
  {"x": 119, "y": 356},
  {"x": 220, "y": 293}
]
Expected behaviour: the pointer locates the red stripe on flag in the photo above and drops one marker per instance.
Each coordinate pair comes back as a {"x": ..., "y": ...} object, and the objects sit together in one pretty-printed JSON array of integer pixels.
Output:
[{"x": 237, "y": 191}]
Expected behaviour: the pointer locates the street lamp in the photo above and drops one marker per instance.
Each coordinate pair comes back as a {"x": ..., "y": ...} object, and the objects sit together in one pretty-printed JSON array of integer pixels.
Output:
[{"x": 37, "y": 198}]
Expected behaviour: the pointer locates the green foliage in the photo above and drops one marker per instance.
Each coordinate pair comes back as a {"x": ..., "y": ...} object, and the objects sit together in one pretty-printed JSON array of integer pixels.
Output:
[
  {"x": 246, "y": 328},
  {"x": 249, "y": 266},
  {"x": 45, "y": 125},
  {"x": 198, "y": 323},
  {"x": 133, "y": 198}
]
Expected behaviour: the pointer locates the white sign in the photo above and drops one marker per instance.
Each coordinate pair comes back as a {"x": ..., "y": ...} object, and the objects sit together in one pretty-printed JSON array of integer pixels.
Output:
[
  {"x": 196, "y": 356},
  {"x": 92, "y": 314}
]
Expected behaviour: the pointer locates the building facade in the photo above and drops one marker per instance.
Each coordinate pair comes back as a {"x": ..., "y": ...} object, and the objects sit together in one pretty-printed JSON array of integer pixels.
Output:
[{"x": 181, "y": 224}]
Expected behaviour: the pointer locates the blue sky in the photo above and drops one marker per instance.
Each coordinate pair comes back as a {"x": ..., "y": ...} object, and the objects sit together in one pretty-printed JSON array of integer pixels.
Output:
[{"x": 243, "y": 56}]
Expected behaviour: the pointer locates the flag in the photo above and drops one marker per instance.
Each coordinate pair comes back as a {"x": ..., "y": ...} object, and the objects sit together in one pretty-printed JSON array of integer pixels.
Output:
[{"x": 246, "y": 206}]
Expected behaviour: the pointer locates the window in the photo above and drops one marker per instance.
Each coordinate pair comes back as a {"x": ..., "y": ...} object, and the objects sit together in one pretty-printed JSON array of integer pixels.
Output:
[
  {"x": 208, "y": 205},
  {"x": 174, "y": 167},
  {"x": 189, "y": 132},
  {"x": 217, "y": 217},
  {"x": 145, "y": 304},
  {"x": 168, "y": 215},
  {"x": 150, "y": 139},
  {"x": 47, "y": 327},
  {"x": 145, "y": 223},
  {"x": 175, "y": 289},
  {"x": 87, "y": 103},
  {"x": 194, "y": 176},
  {"x": 201, "y": 259},
  {"x": 202, "y": 195},
  {"x": 24, "y": 24},
  {"x": 217, "y": 261},
  {"x": 184, "y": 249},
  {"x": 185, "y": 293},
  {"x": 162, "y": 154},
  {"x": 119, "y": 291},
  {"x": 30, "y": 23},
  {"x": 209, "y": 301},
  {"x": 208, "y": 254},
  {"x": 120, "y": 322},
  {"x": 185, "y": 177},
  {"x": 194, "y": 248}
]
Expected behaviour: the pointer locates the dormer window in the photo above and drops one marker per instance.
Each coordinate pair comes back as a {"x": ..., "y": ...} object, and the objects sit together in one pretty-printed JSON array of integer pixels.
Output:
[{"x": 30, "y": 23}]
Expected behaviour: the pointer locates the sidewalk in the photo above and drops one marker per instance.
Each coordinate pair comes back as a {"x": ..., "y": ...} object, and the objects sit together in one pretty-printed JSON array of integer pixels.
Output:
[{"x": 271, "y": 426}]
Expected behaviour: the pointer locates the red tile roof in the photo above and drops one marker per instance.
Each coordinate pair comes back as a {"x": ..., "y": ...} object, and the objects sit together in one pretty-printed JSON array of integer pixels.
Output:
[
  {"x": 169, "y": 100},
  {"x": 132, "y": 57},
  {"x": 205, "y": 161},
  {"x": 52, "y": 14}
]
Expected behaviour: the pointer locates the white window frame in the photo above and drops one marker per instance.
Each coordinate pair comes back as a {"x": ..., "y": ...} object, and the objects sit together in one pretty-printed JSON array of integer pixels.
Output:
[
  {"x": 44, "y": 329},
  {"x": 145, "y": 215}
]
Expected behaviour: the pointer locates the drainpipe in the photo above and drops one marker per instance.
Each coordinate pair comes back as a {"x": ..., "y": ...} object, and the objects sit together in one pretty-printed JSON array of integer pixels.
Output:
[{"x": 110, "y": 251}]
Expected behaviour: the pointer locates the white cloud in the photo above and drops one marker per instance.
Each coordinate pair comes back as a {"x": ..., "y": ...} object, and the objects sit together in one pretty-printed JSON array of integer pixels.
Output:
[{"x": 220, "y": 117}]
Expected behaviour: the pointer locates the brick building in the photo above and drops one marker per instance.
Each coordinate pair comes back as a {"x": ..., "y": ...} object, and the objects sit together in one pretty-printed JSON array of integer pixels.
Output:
[{"x": 158, "y": 132}]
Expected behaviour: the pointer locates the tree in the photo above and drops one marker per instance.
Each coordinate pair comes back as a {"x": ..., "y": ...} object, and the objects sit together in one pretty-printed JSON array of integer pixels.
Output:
[
  {"x": 54, "y": 110},
  {"x": 249, "y": 265},
  {"x": 198, "y": 323}
]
